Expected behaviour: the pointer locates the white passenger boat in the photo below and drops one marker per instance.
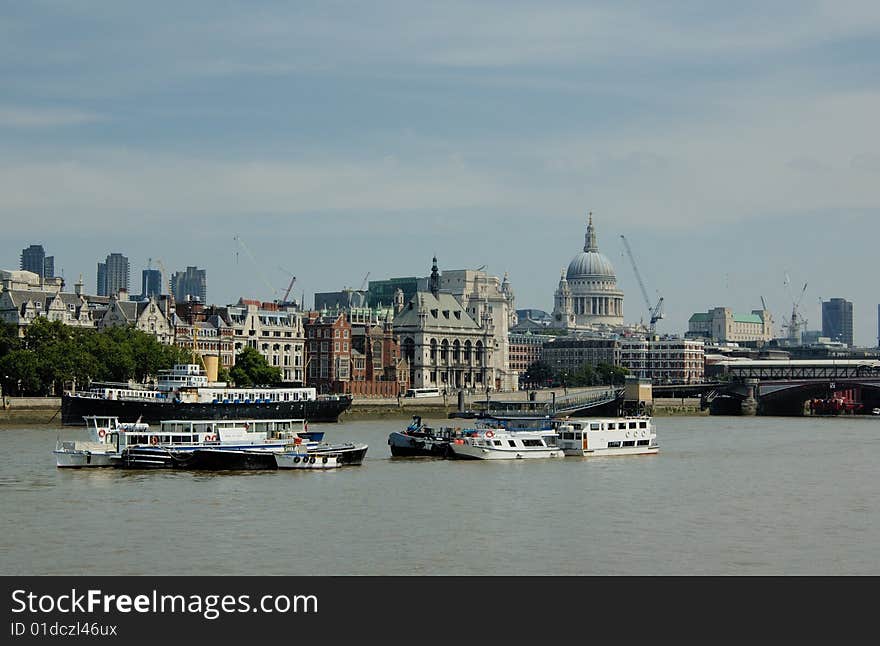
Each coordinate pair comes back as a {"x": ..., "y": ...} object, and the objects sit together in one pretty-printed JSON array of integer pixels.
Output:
[
  {"x": 107, "y": 437},
  {"x": 608, "y": 436},
  {"x": 501, "y": 444}
]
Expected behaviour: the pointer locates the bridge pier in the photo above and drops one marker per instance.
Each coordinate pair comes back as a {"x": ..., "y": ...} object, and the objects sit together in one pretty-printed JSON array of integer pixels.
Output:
[{"x": 749, "y": 405}]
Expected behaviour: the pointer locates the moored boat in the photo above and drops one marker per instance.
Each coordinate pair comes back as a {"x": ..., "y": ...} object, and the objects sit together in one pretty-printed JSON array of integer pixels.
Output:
[
  {"x": 185, "y": 393},
  {"x": 502, "y": 444},
  {"x": 419, "y": 439},
  {"x": 106, "y": 436},
  {"x": 608, "y": 436}
]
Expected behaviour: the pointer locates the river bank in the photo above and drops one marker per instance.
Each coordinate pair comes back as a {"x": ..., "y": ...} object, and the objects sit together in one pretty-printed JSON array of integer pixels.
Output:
[{"x": 44, "y": 410}]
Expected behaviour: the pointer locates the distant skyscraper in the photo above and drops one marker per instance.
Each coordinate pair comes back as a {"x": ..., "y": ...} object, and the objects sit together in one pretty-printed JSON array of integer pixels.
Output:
[
  {"x": 151, "y": 283},
  {"x": 113, "y": 275},
  {"x": 189, "y": 284},
  {"x": 837, "y": 320},
  {"x": 34, "y": 259}
]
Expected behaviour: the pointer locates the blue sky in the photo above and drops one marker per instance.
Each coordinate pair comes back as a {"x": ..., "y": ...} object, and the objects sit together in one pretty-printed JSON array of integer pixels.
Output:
[{"x": 731, "y": 145}]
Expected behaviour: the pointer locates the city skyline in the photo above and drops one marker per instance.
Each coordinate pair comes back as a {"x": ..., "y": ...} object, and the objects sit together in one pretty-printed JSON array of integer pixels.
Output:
[{"x": 732, "y": 146}]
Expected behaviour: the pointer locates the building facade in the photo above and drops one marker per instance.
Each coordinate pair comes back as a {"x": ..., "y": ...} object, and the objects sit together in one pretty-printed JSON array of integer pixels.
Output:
[
  {"x": 525, "y": 349},
  {"x": 276, "y": 332},
  {"x": 721, "y": 325},
  {"x": 329, "y": 351},
  {"x": 381, "y": 292},
  {"x": 570, "y": 354},
  {"x": 587, "y": 296},
  {"x": 664, "y": 360},
  {"x": 113, "y": 275},
  {"x": 837, "y": 320},
  {"x": 151, "y": 283},
  {"x": 191, "y": 284},
  {"x": 35, "y": 260},
  {"x": 377, "y": 369},
  {"x": 483, "y": 295},
  {"x": 152, "y": 316}
]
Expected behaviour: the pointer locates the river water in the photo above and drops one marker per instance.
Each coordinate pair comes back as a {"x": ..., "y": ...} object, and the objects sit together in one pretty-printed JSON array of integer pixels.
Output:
[{"x": 725, "y": 495}]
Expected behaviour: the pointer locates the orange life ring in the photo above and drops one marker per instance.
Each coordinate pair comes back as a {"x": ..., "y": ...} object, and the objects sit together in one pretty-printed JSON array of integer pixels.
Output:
[
  {"x": 210, "y": 438},
  {"x": 490, "y": 433},
  {"x": 154, "y": 440},
  {"x": 102, "y": 433}
]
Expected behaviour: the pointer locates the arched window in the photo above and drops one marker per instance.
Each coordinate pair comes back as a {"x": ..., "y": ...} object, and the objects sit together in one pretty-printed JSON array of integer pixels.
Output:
[
  {"x": 444, "y": 350},
  {"x": 467, "y": 350},
  {"x": 456, "y": 350},
  {"x": 433, "y": 354},
  {"x": 478, "y": 351}
]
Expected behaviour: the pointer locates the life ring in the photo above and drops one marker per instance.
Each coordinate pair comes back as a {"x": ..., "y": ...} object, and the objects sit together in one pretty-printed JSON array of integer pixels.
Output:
[
  {"x": 490, "y": 433},
  {"x": 296, "y": 460},
  {"x": 312, "y": 460},
  {"x": 102, "y": 433},
  {"x": 154, "y": 440},
  {"x": 324, "y": 459}
]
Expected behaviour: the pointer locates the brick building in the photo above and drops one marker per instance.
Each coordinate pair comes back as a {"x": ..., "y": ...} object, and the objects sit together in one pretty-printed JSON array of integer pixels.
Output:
[{"x": 328, "y": 351}]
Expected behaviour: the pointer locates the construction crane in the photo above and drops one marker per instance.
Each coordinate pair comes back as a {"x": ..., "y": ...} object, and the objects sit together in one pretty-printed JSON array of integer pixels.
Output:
[
  {"x": 289, "y": 285},
  {"x": 247, "y": 250},
  {"x": 796, "y": 322},
  {"x": 656, "y": 312}
]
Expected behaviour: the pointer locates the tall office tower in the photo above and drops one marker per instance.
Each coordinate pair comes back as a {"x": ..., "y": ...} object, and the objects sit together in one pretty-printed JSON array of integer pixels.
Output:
[
  {"x": 189, "y": 284},
  {"x": 113, "y": 275},
  {"x": 837, "y": 320},
  {"x": 34, "y": 259},
  {"x": 151, "y": 283}
]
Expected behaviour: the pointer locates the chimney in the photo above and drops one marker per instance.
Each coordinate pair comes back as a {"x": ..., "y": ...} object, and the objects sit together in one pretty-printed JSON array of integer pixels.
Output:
[{"x": 123, "y": 294}]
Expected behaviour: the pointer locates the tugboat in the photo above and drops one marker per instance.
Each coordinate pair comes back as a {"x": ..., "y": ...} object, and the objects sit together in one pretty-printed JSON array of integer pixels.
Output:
[{"x": 419, "y": 439}]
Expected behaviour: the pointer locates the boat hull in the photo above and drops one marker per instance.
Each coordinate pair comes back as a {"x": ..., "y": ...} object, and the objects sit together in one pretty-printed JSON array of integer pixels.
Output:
[
  {"x": 199, "y": 459},
  {"x": 306, "y": 461},
  {"x": 347, "y": 454},
  {"x": 468, "y": 452},
  {"x": 74, "y": 408},
  {"x": 403, "y": 445},
  {"x": 84, "y": 459},
  {"x": 637, "y": 450}
]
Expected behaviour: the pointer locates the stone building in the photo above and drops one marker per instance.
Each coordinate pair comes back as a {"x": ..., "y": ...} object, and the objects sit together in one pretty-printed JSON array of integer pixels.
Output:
[
  {"x": 204, "y": 331},
  {"x": 24, "y": 296},
  {"x": 721, "y": 325},
  {"x": 277, "y": 332},
  {"x": 152, "y": 316},
  {"x": 587, "y": 296},
  {"x": 443, "y": 344},
  {"x": 570, "y": 354},
  {"x": 664, "y": 360}
]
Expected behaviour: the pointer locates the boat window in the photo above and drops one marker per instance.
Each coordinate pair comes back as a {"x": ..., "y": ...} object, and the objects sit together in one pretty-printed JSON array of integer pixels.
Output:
[
  {"x": 594, "y": 427},
  {"x": 613, "y": 445},
  {"x": 497, "y": 442},
  {"x": 511, "y": 442},
  {"x": 629, "y": 443},
  {"x": 577, "y": 436},
  {"x": 532, "y": 443},
  {"x": 632, "y": 424},
  {"x": 642, "y": 443},
  {"x": 611, "y": 426},
  {"x": 643, "y": 424}
]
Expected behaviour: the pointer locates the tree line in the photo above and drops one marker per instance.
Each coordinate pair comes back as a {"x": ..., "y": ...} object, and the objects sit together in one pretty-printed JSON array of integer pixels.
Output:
[{"x": 51, "y": 355}]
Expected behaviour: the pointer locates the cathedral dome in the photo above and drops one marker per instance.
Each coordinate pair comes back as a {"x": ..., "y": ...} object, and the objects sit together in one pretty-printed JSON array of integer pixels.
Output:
[{"x": 588, "y": 264}]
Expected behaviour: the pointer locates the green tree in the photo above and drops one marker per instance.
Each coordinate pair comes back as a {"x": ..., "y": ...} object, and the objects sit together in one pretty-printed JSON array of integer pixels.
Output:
[
  {"x": 8, "y": 338},
  {"x": 252, "y": 369},
  {"x": 611, "y": 375},
  {"x": 19, "y": 370},
  {"x": 539, "y": 372}
]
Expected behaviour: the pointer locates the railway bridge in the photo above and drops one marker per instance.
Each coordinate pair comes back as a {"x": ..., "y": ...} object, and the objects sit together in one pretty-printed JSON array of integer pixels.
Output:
[{"x": 795, "y": 387}]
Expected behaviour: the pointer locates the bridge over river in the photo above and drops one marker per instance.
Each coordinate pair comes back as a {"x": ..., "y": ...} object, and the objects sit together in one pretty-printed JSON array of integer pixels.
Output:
[{"x": 794, "y": 387}]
